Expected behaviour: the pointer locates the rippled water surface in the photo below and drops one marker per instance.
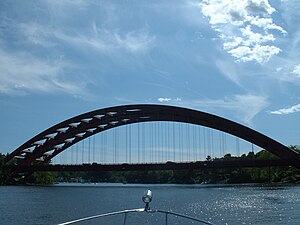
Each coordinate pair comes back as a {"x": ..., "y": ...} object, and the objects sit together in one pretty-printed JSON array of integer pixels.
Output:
[{"x": 241, "y": 204}]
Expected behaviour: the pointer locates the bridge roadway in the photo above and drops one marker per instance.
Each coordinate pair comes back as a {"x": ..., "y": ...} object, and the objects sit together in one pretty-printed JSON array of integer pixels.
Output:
[{"x": 214, "y": 164}]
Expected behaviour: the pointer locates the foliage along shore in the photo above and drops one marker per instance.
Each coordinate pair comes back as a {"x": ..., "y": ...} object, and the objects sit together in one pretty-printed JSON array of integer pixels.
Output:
[{"x": 216, "y": 176}]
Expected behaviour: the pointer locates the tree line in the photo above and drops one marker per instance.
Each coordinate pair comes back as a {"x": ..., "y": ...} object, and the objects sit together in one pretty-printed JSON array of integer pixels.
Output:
[{"x": 225, "y": 176}]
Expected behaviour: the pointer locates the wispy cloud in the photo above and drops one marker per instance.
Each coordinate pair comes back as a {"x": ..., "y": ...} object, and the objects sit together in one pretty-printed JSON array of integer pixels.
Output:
[
  {"x": 22, "y": 73},
  {"x": 285, "y": 111},
  {"x": 244, "y": 27},
  {"x": 111, "y": 41},
  {"x": 229, "y": 70},
  {"x": 287, "y": 70},
  {"x": 135, "y": 41},
  {"x": 98, "y": 39},
  {"x": 36, "y": 34},
  {"x": 245, "y": 107}
]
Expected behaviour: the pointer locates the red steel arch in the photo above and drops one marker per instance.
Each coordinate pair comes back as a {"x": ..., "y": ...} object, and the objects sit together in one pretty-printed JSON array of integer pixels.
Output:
[{"x": 51, "y": 142}]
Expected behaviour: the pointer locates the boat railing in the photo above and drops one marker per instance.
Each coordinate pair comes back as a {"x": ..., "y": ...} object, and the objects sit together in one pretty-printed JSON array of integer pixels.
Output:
[{"x": 147, "y": 198}]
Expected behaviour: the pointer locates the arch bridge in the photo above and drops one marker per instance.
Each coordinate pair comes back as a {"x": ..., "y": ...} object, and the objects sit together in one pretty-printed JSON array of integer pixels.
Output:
[{"x": 53, "y": 141}]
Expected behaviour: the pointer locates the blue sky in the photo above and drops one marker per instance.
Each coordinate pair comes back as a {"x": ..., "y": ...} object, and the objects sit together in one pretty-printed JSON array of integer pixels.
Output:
[{"x": 236, "y": 59}]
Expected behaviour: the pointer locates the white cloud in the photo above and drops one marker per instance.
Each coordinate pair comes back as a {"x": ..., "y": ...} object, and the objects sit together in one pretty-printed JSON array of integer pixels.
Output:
[
  {"x": 251, "y": 38},
  {"x": 259, "y": 7},
  {"x": 236, "y": 21},
  {"x": 266, "y": 24},
  {"x": 164, "y": 99},
  {"x": 285, "y": 111},
  {"x": 169, "y": 99},
  {"x": 259, "y": 53},
  {"x": 297, "y": 70}
]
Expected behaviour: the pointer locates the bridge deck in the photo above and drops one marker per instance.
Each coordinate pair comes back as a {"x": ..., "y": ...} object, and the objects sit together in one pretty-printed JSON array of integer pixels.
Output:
[{"x": 157, "y": 166}]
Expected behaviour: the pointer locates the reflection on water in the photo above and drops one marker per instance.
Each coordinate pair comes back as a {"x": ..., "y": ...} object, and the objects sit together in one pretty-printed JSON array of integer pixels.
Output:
[{"x": 220, "y": 204}]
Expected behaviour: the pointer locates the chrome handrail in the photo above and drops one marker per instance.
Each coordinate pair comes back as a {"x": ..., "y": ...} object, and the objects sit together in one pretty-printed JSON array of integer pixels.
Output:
[
  {"x": 147, "y": 198},
  {"x": 104, "y": 215}
]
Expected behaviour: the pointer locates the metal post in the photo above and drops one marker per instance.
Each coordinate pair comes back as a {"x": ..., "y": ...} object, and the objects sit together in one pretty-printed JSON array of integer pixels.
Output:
[
  {"x": 166, "y": 218},
  {"x": 125, "y": 218}
]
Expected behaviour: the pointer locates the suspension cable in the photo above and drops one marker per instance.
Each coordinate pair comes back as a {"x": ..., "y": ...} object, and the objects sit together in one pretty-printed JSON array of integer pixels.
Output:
[
  {"x": 174, "y": 143},
  {"x": 82, "y": 156},
  {"x": 94, "y": 148}
]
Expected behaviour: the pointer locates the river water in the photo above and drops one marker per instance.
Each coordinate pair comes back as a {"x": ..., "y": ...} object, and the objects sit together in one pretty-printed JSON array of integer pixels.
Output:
[{"x": 219, "y": 204}]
